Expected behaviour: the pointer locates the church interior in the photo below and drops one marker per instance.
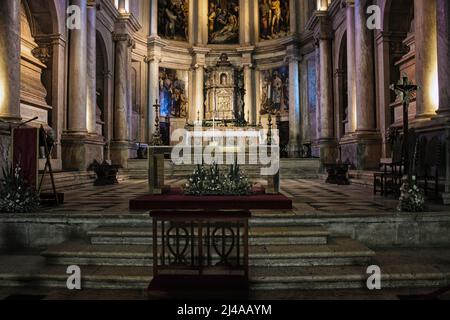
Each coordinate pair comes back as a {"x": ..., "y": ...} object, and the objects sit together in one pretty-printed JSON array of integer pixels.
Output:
[{"x": 354, "y": 94}]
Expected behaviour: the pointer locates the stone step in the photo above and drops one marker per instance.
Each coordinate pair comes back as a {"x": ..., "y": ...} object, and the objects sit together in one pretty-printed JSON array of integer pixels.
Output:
[
  {"x": 257, "y": 235},
  {"x": 338, "y": 252},
  {"x": 66, "y": 181},
  {"x": 289, "y": 168},
  {"x": 34, "y": 272}
]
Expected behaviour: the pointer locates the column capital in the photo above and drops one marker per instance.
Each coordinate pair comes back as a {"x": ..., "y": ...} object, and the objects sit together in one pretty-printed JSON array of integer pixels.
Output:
[
  {"x": 348, "y": 3},
  {"x": 118, "y": 37},
  {"x": 92, "y": 4},
  {"x": 152, "y": 58},
  {"x": 324, "y": 31}
]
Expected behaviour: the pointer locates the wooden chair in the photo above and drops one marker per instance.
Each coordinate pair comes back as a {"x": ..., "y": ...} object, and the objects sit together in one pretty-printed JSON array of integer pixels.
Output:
[
  {"x": 428, "y": 165},
  {"x": 388, "y": 180}
]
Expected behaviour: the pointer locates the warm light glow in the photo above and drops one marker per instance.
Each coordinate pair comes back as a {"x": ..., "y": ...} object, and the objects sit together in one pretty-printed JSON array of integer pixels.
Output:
[
  {"x": 89, "y": 118},
  {"x": 433, "y": 92},
  {"x": 3, "y": 88},
  {"x": 322, "y": 5},
  {"x": 122, "y": 5}
]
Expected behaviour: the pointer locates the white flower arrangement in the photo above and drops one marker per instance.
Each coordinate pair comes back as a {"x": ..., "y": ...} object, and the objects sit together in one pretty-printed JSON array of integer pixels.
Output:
[{"x": 412, "y": 198}]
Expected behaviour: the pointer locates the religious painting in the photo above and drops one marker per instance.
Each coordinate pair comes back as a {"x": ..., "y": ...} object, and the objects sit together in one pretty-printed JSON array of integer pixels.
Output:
[
  {"x": 173, "y": 88},
  {"x": 275, "y": 91},
  {"x": 173, "y": 19},
  {"x": 223, "y": 21},
  {"x": 274, "y": 18}
]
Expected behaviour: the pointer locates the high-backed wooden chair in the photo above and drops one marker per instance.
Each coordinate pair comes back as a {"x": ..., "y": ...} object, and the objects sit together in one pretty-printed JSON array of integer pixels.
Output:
[
  {"x": 428, "y": 165},
  {"x": 389, "y": 178}
]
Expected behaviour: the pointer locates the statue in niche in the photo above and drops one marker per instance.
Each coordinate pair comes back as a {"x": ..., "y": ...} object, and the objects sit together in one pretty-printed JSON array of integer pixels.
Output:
[
  {"x": 223, "y": 21},
  {"x": 173, "y": 16},
  {"x": 274, "y": 18}
]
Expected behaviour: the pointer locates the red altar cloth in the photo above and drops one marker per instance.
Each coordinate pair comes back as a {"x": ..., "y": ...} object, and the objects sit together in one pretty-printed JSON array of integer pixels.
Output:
[{"x": 176, "y": 200}]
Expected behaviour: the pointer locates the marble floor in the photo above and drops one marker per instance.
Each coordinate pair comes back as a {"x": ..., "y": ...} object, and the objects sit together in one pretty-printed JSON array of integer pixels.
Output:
[{"x": 309, "y": 197}]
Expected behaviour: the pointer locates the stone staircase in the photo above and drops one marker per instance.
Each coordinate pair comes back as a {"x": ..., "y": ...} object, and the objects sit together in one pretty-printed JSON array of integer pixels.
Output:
[{"x": 282, "y": 256}]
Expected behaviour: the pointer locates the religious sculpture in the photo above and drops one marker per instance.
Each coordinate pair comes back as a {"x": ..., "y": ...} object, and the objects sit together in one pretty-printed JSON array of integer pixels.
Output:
[{"x": 223, "y": 21}]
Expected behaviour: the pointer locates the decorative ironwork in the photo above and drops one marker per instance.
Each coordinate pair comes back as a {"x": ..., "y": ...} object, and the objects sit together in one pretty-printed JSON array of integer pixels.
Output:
[{"x": 200, "y": 242}]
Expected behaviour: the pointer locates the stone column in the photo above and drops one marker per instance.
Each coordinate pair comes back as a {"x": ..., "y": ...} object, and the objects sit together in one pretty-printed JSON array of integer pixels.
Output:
[
  {"x": 91, "y": 69},
  {"x": 249, "y": 111},
  {"x": 199, "y": 91},
  {"x": 77, "y": 90},
  {"x": 121, "y": 139},
  {"x": 10, "y": 60},
  {"x": 351, "y": 64},
  {"x": 367, "y": 149},
  {"x": 426, "y": 58},
  {"x": 294, "y": 19},
  {"x": 247, "y": 62},
  {"x": 294, "y": 103},
  {"x": 443, "y": 47},
  {"x": 122, "y": 6},
  {"x": 365, "y": 97},
  {"x": 153, "y": 18},
  {"x": 199, "y": 63},
  {"x": 305, "y": 118},
  {"x": 257, "y": 74},
  {"x": 327, "y": 141},
  {"x": 245, "y": 22}
]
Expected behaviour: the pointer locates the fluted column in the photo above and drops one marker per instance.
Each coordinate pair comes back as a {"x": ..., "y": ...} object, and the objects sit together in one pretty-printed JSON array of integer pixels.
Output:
[
  {"x": 351, "y": 64},
  {"x": 10, "y": 59},
  {"x": 443, "y": 47},
  {"x": 426, "y": 58},
  {"x": 327, "y": 139},
  {"x": 77, "y": 89},
  {"x": 91, "y": 68}
]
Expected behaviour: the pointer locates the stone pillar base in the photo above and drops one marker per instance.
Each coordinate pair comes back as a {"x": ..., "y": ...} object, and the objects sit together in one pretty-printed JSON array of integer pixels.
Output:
[
  {"x": 446, "y": 198},
  {"x": 120, "y": 153},
  {"x": 80, "y": 151},
  {"x": 328, "y": 151},
  {"x": 362, "y": 150}
]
